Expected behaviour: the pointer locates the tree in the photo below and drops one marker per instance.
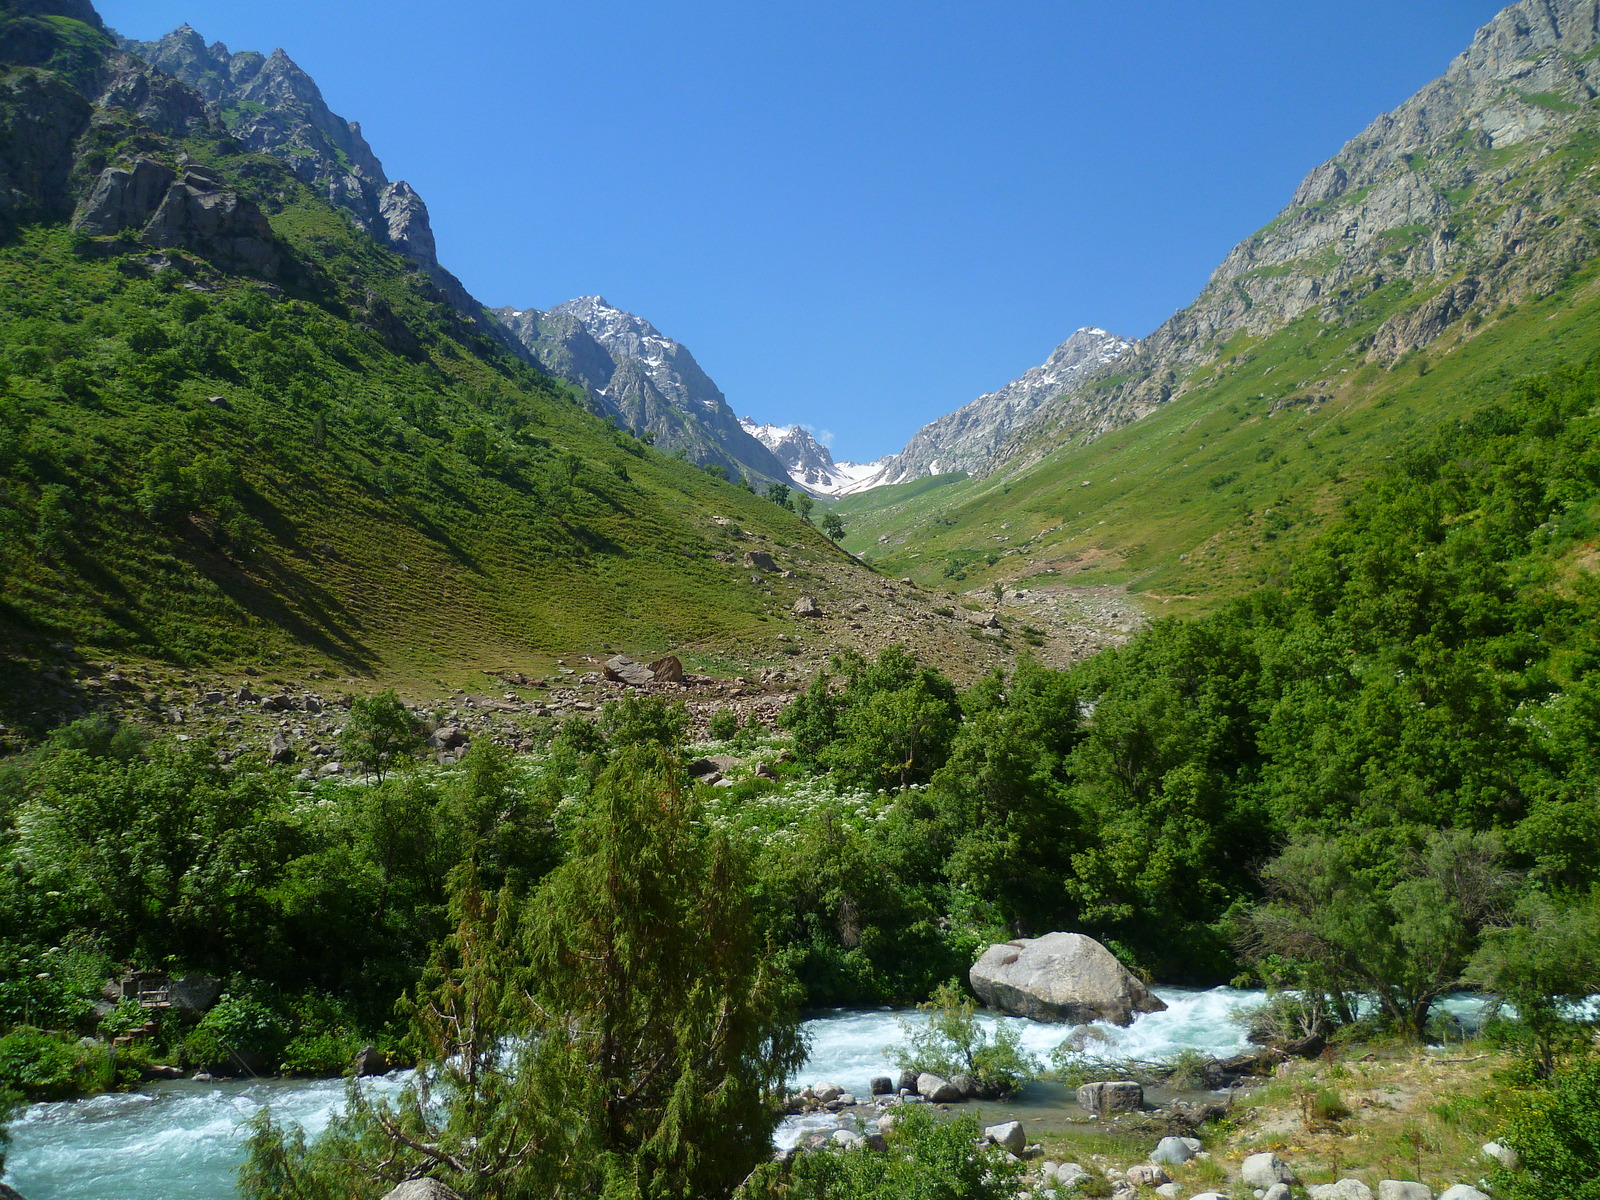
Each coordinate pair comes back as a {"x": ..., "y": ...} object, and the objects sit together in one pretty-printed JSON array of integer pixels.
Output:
[
  {"x": 951, "y": 1042},
  {"x": 891, "y": 725},
  {"x": 778, "y": 493},
  {"x": 620, "y": 1034},
  {"x": 1400, "y": 928},
  {"x": 379, "y": 733},
  {"x": 833, "y": 525},
  {"x": 500, "y": 1108},
  {"x": 803, "y": 504},
  {"x": 643, "y": 942},
  {"x": 1544, "y": 962}
]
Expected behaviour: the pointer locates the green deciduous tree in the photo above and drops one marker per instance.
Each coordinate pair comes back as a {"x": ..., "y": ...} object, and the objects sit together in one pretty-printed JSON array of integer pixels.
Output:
[
  {"x": 833, "y": 525},
  {"x": 379, "y": 734},
  {"x": 1400, "y": 928},
  {"x": 1541, "y": 963}
]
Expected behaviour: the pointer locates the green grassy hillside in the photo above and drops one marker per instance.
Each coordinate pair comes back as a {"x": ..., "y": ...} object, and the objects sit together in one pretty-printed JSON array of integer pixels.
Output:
[
  {"x": 324, "y": 466},
  {"x": 1211, "y": 493}
]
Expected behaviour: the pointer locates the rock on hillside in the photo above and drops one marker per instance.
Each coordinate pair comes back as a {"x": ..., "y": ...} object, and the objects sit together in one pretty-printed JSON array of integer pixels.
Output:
[
  {"x": 273, "y": 107},
  {"x": 809, "y": 462},
  {"x": 968, "y": 439},
  {"x": 1060, "y": 977},
  {"x": 642, "y": 380},
  {"x": 1455, "y": 203}
]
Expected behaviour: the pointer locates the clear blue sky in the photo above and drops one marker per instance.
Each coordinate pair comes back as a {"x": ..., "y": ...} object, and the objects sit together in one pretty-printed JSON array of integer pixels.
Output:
[{"x": 858, "y": 215}]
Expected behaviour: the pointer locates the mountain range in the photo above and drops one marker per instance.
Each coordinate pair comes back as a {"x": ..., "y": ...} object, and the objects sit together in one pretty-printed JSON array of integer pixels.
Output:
[
  {"x": 229, "y": 329},
  {"x": 1447, "y": 247},
  {"x": 631, "y": 373}
]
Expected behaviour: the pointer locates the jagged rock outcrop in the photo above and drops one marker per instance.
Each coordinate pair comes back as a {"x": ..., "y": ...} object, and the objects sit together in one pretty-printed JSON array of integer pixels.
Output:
[
  {"x": 273, "y": 107},
  {"x": 643, "y": 381},
  {"x": 195, "y": 212},
  {"x": 809, "y": 463},
  {"x": 1452, "y": 205},
  {"x": 968, "y": 439}
]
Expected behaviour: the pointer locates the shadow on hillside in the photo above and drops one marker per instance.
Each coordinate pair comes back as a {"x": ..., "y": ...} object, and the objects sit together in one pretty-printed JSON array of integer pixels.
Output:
[
  {"x": 272, "y": 590},
  {"x": 38, "y": 688}
]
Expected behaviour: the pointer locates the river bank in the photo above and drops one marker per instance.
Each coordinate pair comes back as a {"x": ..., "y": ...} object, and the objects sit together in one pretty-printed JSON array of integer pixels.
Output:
[{"x": 181, "y": 1140}]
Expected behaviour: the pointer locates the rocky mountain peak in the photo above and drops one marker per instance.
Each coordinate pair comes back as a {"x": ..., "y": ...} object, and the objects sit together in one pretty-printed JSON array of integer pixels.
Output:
[
  {"x": 970, "y": 438},
  {"x": 810, "y": 463},
  {"x": 642, "y": 380},
  {"x": 1446, "y": 209},
  {"x": 274, "y": 107}
]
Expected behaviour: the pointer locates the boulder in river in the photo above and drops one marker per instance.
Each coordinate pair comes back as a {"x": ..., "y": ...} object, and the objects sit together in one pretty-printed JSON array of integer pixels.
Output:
[
  {"x": 9, "y": 1193},
  {"x": 1122, "y": 1095},
  {"x": 1060, "y": 977},
  {"x": 936, "y": 1089}
]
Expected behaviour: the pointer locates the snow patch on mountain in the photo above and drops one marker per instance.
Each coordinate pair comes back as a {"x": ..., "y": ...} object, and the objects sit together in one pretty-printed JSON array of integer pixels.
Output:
[{"x": 809, "y": 462}]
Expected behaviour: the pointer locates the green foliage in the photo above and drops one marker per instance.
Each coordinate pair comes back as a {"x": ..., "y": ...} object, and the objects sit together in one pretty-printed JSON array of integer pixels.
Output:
[
  {"x": 379, "y": 734},
  {"x": 49, "y": 1066},
  {"x": 1557, "y": 1139},
  {"x": 928, "y": 1159},
  {"x": 1401, "y": 930},
  {"x": 803, "y": 504},
  {"x": 833, "y": 525},
  {"x": 891, "y": 725},
  {"x": 1543, "y": 963},
  {"x": 778, "y": 493},
  {"x": 621, "y": 1032},
  {"x": 951, "y": 1042},
  {"x": 722, "y": 725},
  {"x": 238, "y": 1032}
]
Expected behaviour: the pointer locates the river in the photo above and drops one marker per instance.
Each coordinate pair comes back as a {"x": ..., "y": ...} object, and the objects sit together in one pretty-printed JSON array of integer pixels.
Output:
[{"x": 181, "y": 1140}]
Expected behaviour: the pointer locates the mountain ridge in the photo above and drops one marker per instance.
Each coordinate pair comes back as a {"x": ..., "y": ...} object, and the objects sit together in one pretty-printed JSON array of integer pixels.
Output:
[
  {"x": 274, "y": 107},
  {"x": 643, "y": 381},
  {"x": 1408, "y": 200}
]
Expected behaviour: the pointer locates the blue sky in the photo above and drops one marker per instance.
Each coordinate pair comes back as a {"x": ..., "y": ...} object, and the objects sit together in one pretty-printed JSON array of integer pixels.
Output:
[{"x": 858, "y": 215}]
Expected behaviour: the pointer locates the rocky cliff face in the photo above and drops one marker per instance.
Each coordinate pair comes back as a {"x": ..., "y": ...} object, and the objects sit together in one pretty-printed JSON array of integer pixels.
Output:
[
  {"x": 643, "y": 381},
  {"x": 273, "y": 107},
  {"x": 809, "y": 463},
  {"x": 969, "y": 438},
  {"x": 1460, "y": 201},
  {"x": 82, "y": 138}
]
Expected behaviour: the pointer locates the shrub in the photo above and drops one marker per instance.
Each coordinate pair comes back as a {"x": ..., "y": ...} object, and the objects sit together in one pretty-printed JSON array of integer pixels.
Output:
[
  {"x": 48, "y": 1066},
  {"x": 238, "y": 1033},
  {"x": 929, "y": 1160},
  {"x": 953, "y": 1043},
  {"x": 723, "y": 725},
  {"x": 1557, "y": 1138}
]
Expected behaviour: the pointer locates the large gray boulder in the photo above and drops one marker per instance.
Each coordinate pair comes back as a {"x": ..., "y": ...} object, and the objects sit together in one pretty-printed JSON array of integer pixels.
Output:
[
  {"x": 1060, "y": 977},
  {"x": 1463, "y": 1191},
  {"x": 1175, "y": 1150},
  {"x": 937, "y": 1090},
  {"x": 422, "y": 1189},
  {"x": 1344, "y": 1189},
  {"x": 1264, "y": 1170},
  {"x": 1121, "y": 1095},
  {"x": 1403, "y": 1189}
]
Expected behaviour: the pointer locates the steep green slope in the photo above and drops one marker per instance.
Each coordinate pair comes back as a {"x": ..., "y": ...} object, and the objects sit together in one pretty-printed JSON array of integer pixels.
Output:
[
  {"x": 1264, "y": 428},
  {"x": 233, "y": 428},
  {"x": 1202, "y": 499}
]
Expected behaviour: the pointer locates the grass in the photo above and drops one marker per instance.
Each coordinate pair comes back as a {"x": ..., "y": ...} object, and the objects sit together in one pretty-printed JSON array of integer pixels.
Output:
[
  {"x": 380, "y": 540},
  {"x": 1208, "y": 496}
]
